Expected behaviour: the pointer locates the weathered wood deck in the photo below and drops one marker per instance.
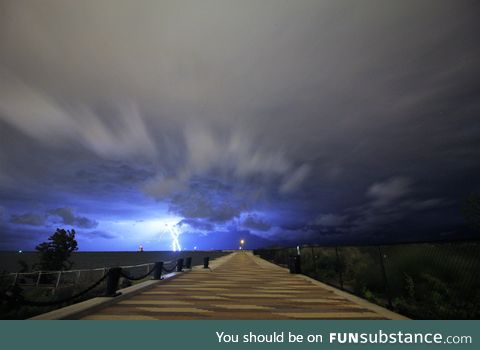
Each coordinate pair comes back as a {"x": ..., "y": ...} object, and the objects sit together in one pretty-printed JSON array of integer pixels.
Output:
[{"x": 242, "y": 287}]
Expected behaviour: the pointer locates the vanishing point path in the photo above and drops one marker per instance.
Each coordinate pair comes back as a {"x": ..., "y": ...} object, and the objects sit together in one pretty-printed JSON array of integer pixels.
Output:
[{"x": 241, "y": 286}]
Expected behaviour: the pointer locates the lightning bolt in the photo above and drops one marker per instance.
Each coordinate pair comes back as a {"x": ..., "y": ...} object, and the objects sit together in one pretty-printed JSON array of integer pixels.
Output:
[{"x": 174, "y": 232}]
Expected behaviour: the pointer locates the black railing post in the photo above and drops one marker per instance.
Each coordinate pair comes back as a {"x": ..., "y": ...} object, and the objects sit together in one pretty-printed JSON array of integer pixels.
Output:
[
  {"x": 112, "y": 281},
  {"x": 188, "y": 262},
  {"x": 157, "y": 274},
  {"x": 206, "y": 260},
  {"x": 385, "y": 279},
  {"x": 180, "y": 265},
  {"x": 339, "y": 268},
  {"x": 314, "y": 258},
  {"x": 294, "y": 264}
]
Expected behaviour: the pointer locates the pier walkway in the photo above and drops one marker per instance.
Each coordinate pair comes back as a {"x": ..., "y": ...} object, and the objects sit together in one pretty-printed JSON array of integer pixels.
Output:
[{"x": 241, "y": 286}]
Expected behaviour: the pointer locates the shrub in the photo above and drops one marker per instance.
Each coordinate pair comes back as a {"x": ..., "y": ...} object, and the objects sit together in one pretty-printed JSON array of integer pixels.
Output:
[{"x": 55, "y": 254}]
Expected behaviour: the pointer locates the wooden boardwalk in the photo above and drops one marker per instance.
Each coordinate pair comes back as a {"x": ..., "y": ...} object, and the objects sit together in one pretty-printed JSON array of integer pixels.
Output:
[{"x": 242, "y": 287}]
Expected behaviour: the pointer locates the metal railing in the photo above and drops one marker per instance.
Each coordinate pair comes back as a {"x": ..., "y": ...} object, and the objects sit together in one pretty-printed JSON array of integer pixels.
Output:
[
  {"x": 14, "y": 293},
  {"x": 434, "y": 280},
  {"x": 56, "y": 279}
]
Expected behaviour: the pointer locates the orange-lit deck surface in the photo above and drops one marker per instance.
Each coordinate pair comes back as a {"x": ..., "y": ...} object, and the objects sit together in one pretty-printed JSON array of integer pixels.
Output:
[{"x": 243, "y": 287}]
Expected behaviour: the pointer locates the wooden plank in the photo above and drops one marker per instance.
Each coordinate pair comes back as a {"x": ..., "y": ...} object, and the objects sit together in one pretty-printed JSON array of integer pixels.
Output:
[{"x": 241, "y": 288}]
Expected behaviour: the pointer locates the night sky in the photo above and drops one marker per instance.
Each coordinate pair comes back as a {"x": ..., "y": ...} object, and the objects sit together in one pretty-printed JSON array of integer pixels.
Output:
[{"x": 279, "y": 122}]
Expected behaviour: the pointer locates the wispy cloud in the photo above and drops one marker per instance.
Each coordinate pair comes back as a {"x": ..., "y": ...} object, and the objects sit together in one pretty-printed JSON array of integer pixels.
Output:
[
  {"x": 330, "y": 115},
  {"x": 330, "y": 220},
  {"x": 32, "y": 219},
  {"x": 55, "y": 122}
]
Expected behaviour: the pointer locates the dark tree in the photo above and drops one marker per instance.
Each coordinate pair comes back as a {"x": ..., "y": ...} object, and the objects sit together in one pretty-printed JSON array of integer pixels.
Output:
[
  {"x": 471, "y": 211},
  {"x": 55, "y": 254}
]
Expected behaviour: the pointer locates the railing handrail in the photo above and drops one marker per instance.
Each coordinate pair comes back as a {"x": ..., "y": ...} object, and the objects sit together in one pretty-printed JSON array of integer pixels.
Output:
[
  {"x": 54, "y": 272},
  {"x": 112, "y": 278}
]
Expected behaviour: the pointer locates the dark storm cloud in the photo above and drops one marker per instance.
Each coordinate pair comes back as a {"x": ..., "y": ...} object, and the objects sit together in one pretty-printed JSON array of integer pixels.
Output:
[
  {"x": 24, "y": 238},
  {"x": 387, "y": 192},
  {"x": 63, "y": 216},
  {"x": 330, "y": 220},
  {"x": 202, "y": 207},
  {"x": 96, "y": 234},
  {"x": 31, "y": 219},
  {"x": 254, "y": 222},
  {"x": 112, "y": 174},
  {"x": 69, "y": 218},
  {"x": 84, "y": 222},
  {"x": 208, "y": 200},
  {"x": 226, "y": 239},
  {"x": 2, "y": 214},
  {"x": 389, "y": 202},
  {"x": 331, "y": 116},
  {"x": 197, "y": 224}
]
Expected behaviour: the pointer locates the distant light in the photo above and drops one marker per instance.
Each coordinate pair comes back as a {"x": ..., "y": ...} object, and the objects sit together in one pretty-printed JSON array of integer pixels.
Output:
[
  {"x": 242, "y": 241},
  {"x": 20, "y": 251},
  {"x": 195, "y": 248}
]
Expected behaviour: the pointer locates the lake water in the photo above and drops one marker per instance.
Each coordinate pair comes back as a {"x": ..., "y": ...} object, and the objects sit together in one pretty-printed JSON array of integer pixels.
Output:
[{"x": 88, "y": 260}]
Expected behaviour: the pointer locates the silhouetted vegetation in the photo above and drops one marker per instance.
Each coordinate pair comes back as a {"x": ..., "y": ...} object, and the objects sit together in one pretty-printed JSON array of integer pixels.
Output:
[
  {"x": 56, "y": 252},
  {"x": 422, "y": 281},
  {"x": 471, "y": 211}
]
